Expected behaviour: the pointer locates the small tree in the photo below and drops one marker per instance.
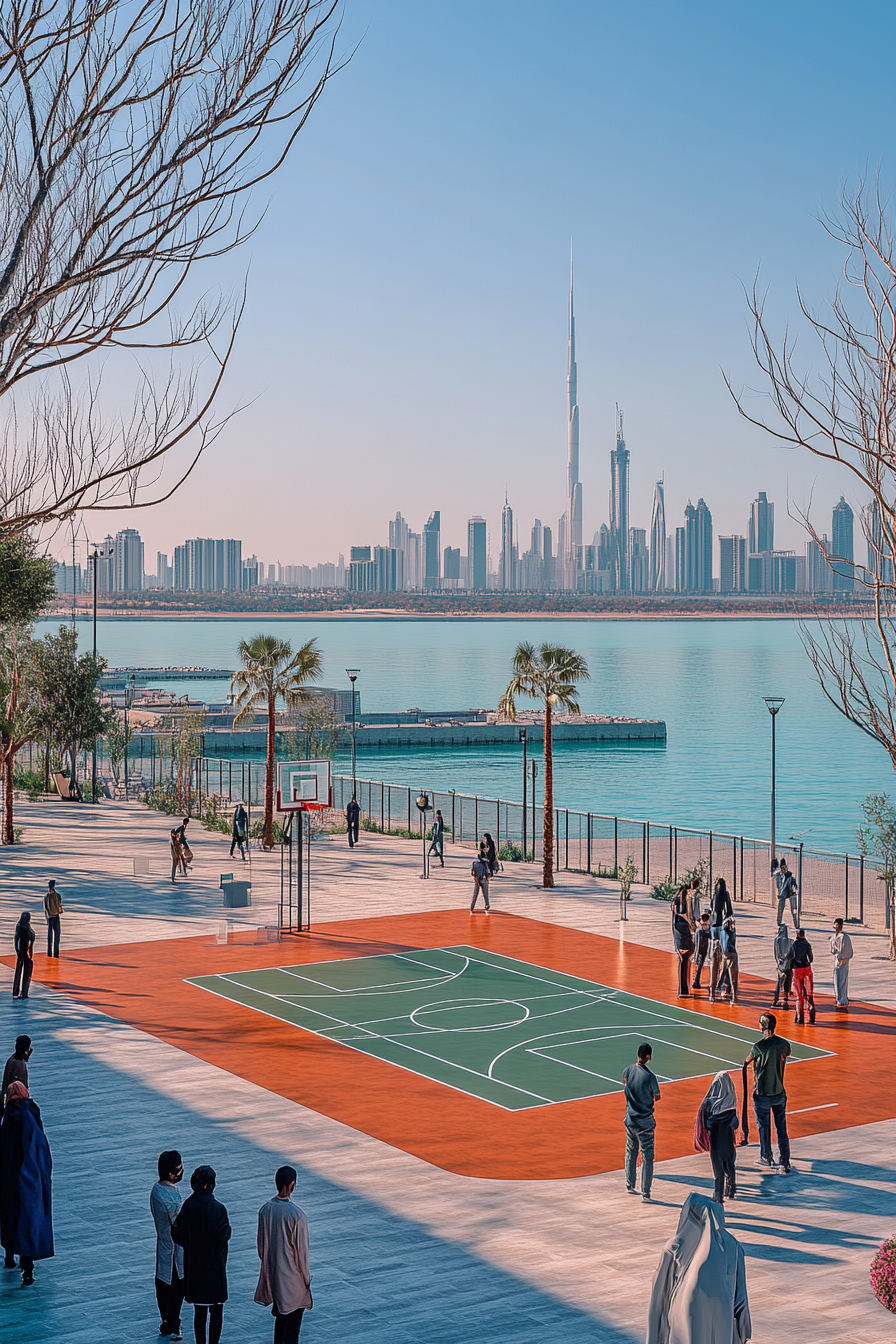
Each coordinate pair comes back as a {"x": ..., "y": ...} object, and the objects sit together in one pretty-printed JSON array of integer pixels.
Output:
[
  {"x": 71, "y": 714},
  {"x": 272, "y": 672},
  {"x": 878, "y": 837},
  {"x": 117, "y": 737},
  {"x": 27, "y": 581},
  {"x": 549, "y": 674},
  {"x": 185, "y": 744},
  {"x": 19, "y": 706},
  {"x": 317, "y": 735}
]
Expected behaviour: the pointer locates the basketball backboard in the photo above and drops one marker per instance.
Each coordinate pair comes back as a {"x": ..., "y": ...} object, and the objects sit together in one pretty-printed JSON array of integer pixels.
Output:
[{"x": 303, "y": 785}]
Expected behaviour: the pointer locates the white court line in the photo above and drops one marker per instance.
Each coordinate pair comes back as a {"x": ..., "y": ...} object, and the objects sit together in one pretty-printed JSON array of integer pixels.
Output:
[
  {"x": 826, "y": 1107},
  {"x": 318, "y": 1012}
]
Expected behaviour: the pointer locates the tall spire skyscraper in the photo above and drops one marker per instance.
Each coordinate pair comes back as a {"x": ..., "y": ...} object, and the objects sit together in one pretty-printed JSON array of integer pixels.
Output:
[
  {"x": 573, "y": 484},
  {"x": 658, "y": 540}
]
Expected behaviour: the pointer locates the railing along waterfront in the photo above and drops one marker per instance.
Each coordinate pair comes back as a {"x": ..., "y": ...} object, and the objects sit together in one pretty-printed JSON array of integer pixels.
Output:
[{"x": 831, "y": 884}]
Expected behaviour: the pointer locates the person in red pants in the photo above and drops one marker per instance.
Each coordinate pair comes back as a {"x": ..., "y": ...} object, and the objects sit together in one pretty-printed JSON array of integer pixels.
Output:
[{"x": 802, "y": 977}]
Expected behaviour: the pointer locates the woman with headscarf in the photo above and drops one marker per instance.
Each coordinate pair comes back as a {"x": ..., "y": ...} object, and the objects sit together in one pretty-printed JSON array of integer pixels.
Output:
[
  {"x": 26, "y": 1213},
  {"x": 491, "y": 854},
  {"x": 700, "y": 1289},
  {"x": 715, "y": 1130},
  {"x": 24, "y": 948}
]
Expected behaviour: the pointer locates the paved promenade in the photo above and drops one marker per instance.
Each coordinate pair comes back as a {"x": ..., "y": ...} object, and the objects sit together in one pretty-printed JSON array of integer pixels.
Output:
[{"x": 401, "y": 1250}]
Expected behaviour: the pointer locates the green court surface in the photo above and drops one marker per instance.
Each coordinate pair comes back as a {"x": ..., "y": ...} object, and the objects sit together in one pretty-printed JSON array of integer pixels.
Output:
[{"x": 504, "y": 1031}]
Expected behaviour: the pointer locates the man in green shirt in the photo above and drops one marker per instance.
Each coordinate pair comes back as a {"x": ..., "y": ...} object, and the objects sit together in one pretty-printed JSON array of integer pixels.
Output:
[{"x": 769, "y": 1098}]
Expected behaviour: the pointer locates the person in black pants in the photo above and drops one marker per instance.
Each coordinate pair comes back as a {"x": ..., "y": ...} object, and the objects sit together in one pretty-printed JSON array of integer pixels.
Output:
[
  {"x": 53, "y": 908},
  {"x": 353, "y": 822},
  {"x": 684, "y": 946},
  {"x": 719, "y": 1115},
  {"x": 203, "y": 1229},
  {"x": 722, "y": 908},
  {"x": 701, "y": 949},
  {"x": 24, "y": 949}
]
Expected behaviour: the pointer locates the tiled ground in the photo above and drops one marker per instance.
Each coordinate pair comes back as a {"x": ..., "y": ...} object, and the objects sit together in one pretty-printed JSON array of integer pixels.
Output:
[{"x": 402, "y": 1251}]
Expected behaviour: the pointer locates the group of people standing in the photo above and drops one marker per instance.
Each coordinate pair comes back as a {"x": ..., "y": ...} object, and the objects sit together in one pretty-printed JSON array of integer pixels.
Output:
[
  {"x": 707, "y": 936},
  {"x": 485, "y": 866},
  {"x": 192, "y": 1239},
  {"x": 24, "y": 939}
]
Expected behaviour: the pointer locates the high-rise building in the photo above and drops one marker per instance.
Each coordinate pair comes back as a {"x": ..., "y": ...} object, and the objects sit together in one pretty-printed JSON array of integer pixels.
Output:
[
  {"x": 658, "y": 540},
  {"x": 361, "y": 571},
  {"x": 399, "y": 538},
  {"x": 507, "y": 572},
  {"x": 573, "y": 484},
  {"x": 681, "y": 555},
  {"x": 413, "y": 572},
  {"x": 127, "y": 561},
  {"x": 548, "y": 575},
  {"x": 761, "y": 532},
  {"x": 432, "y": 553},
  {"x": 477, "y": 554},
  {"x": 250, "y": 572},
  {"x": 105, "y": 561},
  {"x": 732, "y": 564},
  {"x": 842, "y": 528},
  {"x": 880, "y": 550},
  {"x": 819, "y": 575},
  {"x": 388, "y": 564},
  {"x": 69, "y": 578},
  {"x": 451, "y": 568},
  {"x": 619, "y": 504},
  {"x": 639, "y": 560},
  {"x": 164, "y": 571},
  {"x": 693, "y": 550}
]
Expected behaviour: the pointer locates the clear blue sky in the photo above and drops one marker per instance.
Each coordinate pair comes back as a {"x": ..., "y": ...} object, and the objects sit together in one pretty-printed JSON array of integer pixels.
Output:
[{"x": 406, "y": 335}]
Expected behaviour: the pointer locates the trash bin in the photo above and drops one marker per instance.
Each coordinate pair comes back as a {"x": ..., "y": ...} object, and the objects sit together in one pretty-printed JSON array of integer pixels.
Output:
[{"x": 236, "y": 894}]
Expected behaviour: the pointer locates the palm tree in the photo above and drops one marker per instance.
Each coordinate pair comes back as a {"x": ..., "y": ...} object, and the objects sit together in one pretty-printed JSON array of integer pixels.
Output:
[
  {"x": 548, "y": 673},
  {"x": 272, "y": 672}
]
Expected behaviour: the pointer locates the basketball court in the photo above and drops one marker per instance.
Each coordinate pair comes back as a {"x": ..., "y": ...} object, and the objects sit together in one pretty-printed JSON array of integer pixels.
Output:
[{"x": 502, "y": 1030}]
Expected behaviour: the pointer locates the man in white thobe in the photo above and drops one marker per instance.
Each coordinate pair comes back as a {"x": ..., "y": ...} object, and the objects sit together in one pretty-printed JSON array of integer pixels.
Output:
[
  {"x": 841, "y": 951},
  {"x": 284, "y": 1282}
]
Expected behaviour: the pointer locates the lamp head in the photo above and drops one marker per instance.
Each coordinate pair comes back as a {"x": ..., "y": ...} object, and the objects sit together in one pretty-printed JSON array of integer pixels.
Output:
[
  {"x": 352, "y": 673},
  {"x": 774, "y": 703}
]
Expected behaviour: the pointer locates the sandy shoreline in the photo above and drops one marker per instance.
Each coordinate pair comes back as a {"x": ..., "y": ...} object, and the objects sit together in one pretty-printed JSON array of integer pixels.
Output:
[{"x": 380, "y": 614}]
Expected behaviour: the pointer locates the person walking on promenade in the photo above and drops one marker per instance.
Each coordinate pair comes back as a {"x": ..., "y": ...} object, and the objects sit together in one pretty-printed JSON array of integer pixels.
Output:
[
  {"x": 701, "y": 948},
  {"x": 353, "y": 822},
  {"x": 715, "y": 1129},
  {"x": 784, "y": 963},
  {"x": 16, "y": 1068},
  {"x": 699, "y": 1293},
  {"x": 728, "y": 942},
  {"x": 164, "y": 1205},
  {"x": 284, "y": 1280},
  {"x": 26, "y": 1201},
  {"x": 786, "y": 884},
  {"x": 53, "y": 908},
  {"x": 480, "y": 874},
  {"x": 239, "y": 831},
  {"x": 684, "y": 945},
  {"x": 841, "y": 951},
  {"x": 437, "y": 837},
  {"x": 768, "y": 1057},
  {"x": 642, "y": 1091},
  {"x": 23, "y": 943},
  {"x": 181, "y": 853},
  {"x": 202, "y": 1228},
  {"x": 491, "y": 854},
  {"x": 803, "y": 978}
]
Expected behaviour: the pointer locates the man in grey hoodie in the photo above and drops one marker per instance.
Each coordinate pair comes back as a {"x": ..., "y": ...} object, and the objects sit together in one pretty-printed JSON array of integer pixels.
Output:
[{"x": 784, "y": 963}]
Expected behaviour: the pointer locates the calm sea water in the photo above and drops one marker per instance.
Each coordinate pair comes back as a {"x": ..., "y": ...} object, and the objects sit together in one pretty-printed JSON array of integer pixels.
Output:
[{"x": 706, "y": 678}]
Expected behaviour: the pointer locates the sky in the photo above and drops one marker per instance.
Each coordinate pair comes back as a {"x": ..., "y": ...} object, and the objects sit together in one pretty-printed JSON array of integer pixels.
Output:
[{"x": 404, "y": 345}]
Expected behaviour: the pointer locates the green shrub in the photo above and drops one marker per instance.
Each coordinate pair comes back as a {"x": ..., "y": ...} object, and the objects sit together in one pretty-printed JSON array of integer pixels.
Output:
[
  {"x": 510, "y": 853},
  {"x": 161, "y": 799},
  {"x": 31, "y": 782},
  {"x": 667, "y": 889},
  {"x": 600, "y": 871}
]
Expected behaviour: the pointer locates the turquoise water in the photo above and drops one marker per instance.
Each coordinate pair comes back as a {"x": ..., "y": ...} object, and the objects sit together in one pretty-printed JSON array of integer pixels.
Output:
[{"x": 705, "y": 678}]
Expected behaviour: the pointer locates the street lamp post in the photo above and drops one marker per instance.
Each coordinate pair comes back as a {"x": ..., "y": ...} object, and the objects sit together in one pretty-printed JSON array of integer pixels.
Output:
[
  {"x": 523, "y": 740},
  {"x": 353, "y": 673},
  {"x": 128, "y": 691},
  {"x": 423, "y": 806},
  {"x": 94, "y": 558},
  {"x": 773, "y": 703}
]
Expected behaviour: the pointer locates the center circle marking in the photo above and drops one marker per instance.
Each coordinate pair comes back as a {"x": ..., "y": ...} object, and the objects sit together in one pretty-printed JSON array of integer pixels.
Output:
[{"x": 469, "y": 1014}]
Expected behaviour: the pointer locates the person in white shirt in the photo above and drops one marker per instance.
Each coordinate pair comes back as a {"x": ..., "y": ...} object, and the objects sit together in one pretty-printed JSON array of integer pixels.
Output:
[
  {"x": 164, "y": 1204},
  {"x": 841, "y": 951},
  {"x": 284, "y": 1282}
]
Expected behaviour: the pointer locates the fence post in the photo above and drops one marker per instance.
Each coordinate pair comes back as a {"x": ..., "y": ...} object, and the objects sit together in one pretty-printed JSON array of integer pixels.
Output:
[
  {"x": 616, "y": 843},
  {"x": 498, "y": 825},
  {"x": 846, "y": 912},
  {"x": 647, "y": 852},
  {"x": 476, "y": 817},
  {"x": 861, "y": 888},
  {"x": 453, "y": 827},
  {"x": 566, "y": 864},
  {"x": 589, "y": 842},
  {"x": 409, "y": 812},
  {"x": 710, "y": 862}
]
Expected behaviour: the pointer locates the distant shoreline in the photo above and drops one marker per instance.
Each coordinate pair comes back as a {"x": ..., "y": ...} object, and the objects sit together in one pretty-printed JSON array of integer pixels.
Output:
[{"x": 385, "y": 614}]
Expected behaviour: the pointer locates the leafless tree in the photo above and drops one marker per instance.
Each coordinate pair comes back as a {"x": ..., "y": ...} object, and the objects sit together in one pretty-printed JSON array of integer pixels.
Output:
[
  {"x": 131, "y": 133},
  {"x": 839, "y": 404}
]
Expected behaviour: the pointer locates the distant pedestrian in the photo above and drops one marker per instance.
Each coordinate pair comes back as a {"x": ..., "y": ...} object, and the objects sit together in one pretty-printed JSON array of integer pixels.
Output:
[
  {"x": 26, "y": 1203},
  {"x": 480, "y": 874},
  {"x": 437, "y": 837},
  {"x": 786, "y": 884},
  {"x": 695, "y": 910},
  {"x": 784, "y": 964},
  {"x": 181, "y": 854},
  {"x": 716, "y": 963},
  {"x": 803, "y": 978},
  {"x": 53, "y": 908},
  {"x": 353, "y": 822},
  {"x": 701, "y": 949},
  {"x": 284, "y": 1281},
  {"x": 491, "y": 855},
  {"x": 239, "y": 831},
  {"x": 721, "y": 908},
  {"x": 164, "y": 1204},
  {"x": 684, "y": 944},
  {"x": 768, "y": 1058},
  {"x": 23, "y": 942},
  {"x": 717, "y": 1124},
  {"x": 682, "y": 905},
  {"x": 699, "y": 1293},
  {"x": 841, "y": 951},
  {"x": 202, "y": 1228},
  {"x": 16, "y": 1068},
  {"x": 728, "y": 942},
  {"x": 642, "y": 1091}
]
